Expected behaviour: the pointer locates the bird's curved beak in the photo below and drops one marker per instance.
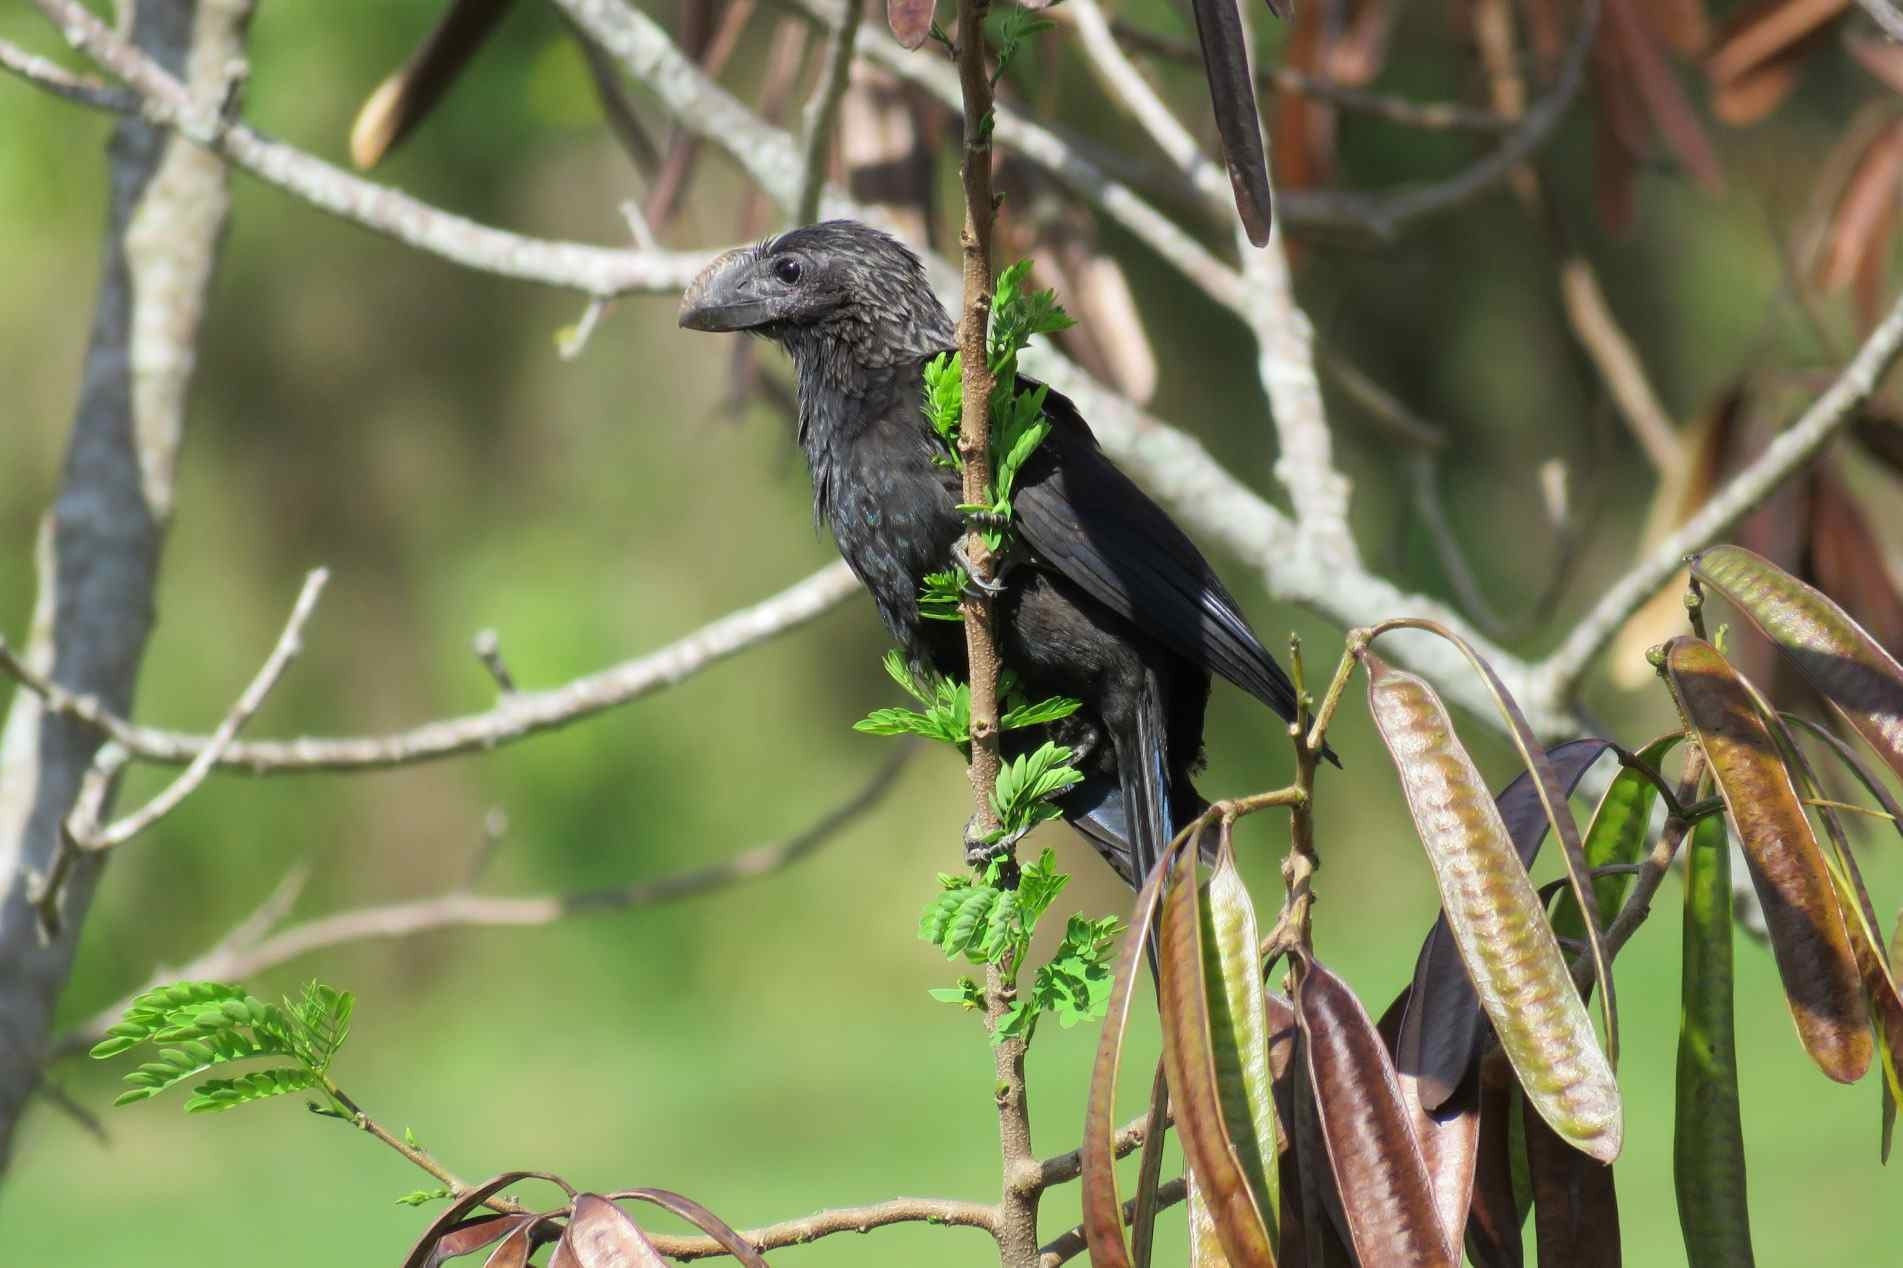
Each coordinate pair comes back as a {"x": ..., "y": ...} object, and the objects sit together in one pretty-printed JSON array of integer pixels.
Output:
[{"x": 726, "y": 296}]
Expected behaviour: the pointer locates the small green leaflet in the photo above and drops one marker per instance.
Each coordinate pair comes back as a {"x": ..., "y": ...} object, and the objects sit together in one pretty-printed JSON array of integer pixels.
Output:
[
  {"x": 942, "y": 596},
  {"x": 1026, "y": 785},
  {"x": 947, "y": 708},
  {"x": 984, "y": 923},
  {"x": 1015, "y": 25}
]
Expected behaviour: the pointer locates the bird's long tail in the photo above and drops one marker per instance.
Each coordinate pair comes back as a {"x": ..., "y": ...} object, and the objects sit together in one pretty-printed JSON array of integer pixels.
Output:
[{"x": 1130, "y": 819}]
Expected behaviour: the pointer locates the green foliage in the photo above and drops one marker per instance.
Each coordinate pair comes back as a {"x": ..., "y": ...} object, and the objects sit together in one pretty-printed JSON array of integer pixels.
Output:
[
  {"x": 947, "y": 707},
  {"x": 1018, "y": 427},
  {"x": 1016, "y": 316},
  {"x": 196, "y": 1026},
  {"x": 1019, "y": 714},
  {"x": 1027, "y": 783},
  {"x": 224, "y": 1094},
  {"x": 945, "y": 402},
  {"x": 420, "y": 1196},
  {"x": 323, "y": 1017},
  {"x": 986, "y": 921},
  {"x": 941, "y": 594},
  {"x": 1012, "y": 25},
  {"x": 990, "y": 920},
  {"x": 1075, "y": 984}
]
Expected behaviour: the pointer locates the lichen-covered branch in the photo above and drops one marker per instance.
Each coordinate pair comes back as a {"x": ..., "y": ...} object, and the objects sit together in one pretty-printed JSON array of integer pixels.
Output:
[
  {"x": 100, "y": 545},
  {"x": 516, "y": 716}
]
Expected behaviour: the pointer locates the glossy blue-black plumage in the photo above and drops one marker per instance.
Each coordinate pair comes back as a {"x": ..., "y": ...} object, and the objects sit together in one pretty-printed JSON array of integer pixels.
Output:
[{"x": 1107, "y": 599}]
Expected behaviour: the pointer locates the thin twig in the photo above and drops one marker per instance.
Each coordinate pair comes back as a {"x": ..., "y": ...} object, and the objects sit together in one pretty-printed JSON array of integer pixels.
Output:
[
  {"x": 822, "y": 111},
  {"x": 1885, "y": 15},
  {"x": 56, "y": 79},
  {"x": 1211, "y": 501},
  {"x": 513, "y": 718},
  {"x": 1652, "y": 868},
  {"x": 1558, "y": 676},
  {"x": 617, "y": 109},
  {"x": 1061, "y": 1250},
  {"x": 1588, "y": 313},
  {"x": 1064, "y": 1168},
  {"x": 1384, "y": 407},
  {"x": 1385, "y": 215},
  {"x": 1592, "y": 320},
  {"x": 1428, "y": 116},
  {"x": 414, "y": 1153},
  {"x": 289, "y": 644},
  {"x": 165, "y": 102},
  {"x": 80, "y": 831},
  {"x": 247, "y": 951},
  {"x": 1121, "y": 79},
  {"x": 849, "y": 1219},
  {"x": 1424, "y": 471}
]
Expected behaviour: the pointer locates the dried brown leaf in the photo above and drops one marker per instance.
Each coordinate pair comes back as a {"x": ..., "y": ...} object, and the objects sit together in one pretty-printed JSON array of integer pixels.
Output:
[
  {"x": 1682, "y": 25},
  {"x": 1303, "y": 128},
  {"x": 1102, "y": 1209},
  {"x": 600, "y": 1235},
  {"x": 910, "y": 20},
  {"x": 1864, "y": 210},
  {"x": 1232, "y": 95},
  {"x": 1575, "y": 1210},
  {"x": 1760, "y": 32},
  {"x": 700, "y": 1217},
  {"x": 1387, "y": 1194},
  {"x": 426, "y": 1254},
  {"x": 1361, "y": 51},
  {"x": 514, "y": 1250},
  {"x": 1748, "y": 97},
  {"x": 1494, "y": 1216},
  {"x": 1849, "y": 561},
  {"x": 1657, "y": 88}
]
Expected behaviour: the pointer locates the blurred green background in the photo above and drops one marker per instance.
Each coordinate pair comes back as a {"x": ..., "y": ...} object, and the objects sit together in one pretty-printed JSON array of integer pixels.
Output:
[{"x": 771, "y": 1049}]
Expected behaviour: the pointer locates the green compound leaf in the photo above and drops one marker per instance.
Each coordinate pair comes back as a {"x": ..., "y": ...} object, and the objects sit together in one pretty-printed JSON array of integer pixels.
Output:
[{"x": 215, "y": 1095}]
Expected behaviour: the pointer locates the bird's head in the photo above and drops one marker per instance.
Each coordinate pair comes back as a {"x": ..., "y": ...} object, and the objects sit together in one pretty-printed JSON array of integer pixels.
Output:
[{"x": 848, "y": 285}]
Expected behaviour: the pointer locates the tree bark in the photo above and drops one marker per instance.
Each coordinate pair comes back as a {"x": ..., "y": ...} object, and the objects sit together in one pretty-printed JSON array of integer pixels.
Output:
[{"x": 99, "y": 545}]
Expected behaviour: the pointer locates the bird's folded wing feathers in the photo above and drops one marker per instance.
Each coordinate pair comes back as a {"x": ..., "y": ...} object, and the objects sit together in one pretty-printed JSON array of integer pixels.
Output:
[{"x": 1090, "y": 522}]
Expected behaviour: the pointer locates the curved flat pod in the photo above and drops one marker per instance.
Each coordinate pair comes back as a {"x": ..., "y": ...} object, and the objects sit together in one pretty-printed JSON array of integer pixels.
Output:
[
  {"x": 1496, "y": 917},
  {"x": 1850, "y": 669},
  {"x": 1808, "y": 935}
]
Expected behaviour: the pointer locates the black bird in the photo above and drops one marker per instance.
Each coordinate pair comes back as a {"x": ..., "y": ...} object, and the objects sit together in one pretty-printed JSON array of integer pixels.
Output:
[{"x": 1109, "y": 602}]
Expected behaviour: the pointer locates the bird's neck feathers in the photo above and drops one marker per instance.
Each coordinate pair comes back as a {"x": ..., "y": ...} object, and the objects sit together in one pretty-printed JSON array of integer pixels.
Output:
[{"x": 861, "y": 368}]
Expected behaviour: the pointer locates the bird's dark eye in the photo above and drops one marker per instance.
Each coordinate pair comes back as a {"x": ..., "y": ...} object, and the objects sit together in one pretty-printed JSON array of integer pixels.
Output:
[{"x": 787, "y": 269}]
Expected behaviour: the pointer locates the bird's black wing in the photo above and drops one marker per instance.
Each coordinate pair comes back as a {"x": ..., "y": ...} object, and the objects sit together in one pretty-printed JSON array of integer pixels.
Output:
[{"x": 1089, "y": 521}]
